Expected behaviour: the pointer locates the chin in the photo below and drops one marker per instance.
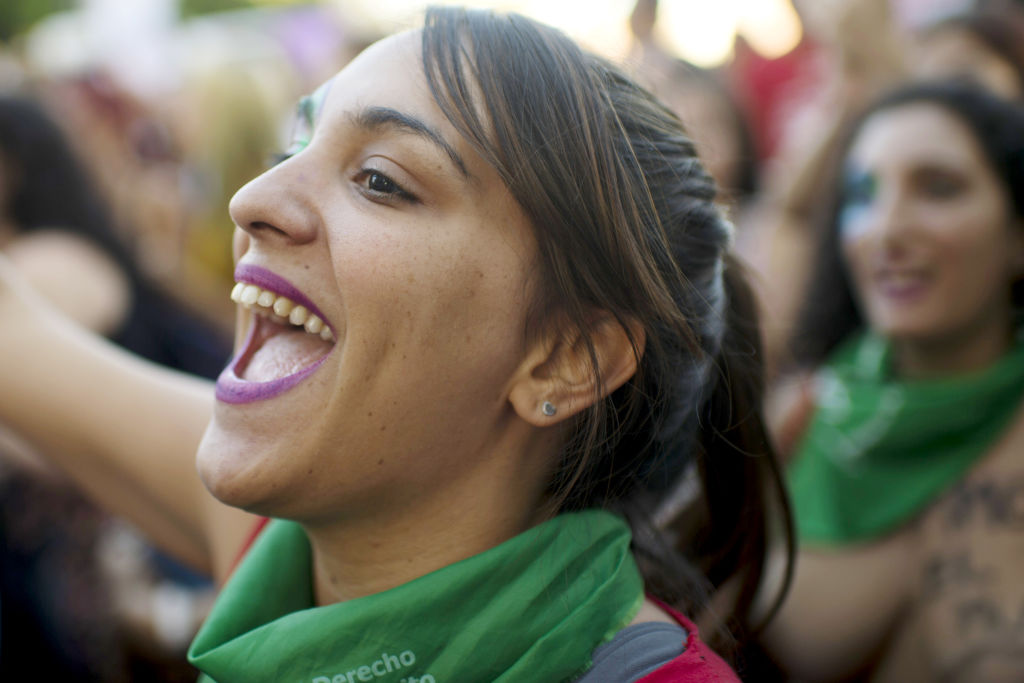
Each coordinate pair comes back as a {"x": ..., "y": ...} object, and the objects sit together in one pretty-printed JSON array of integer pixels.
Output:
[
  {"x": 231, "y": 473},
  {"x": 907, "y": 328}
]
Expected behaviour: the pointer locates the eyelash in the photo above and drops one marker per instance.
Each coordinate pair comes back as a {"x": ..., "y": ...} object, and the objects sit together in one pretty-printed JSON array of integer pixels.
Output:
[
  {"x": 941, "y": 188},
  {"x": 396, "y": 191},
  {"x": 364, "y": 176}
]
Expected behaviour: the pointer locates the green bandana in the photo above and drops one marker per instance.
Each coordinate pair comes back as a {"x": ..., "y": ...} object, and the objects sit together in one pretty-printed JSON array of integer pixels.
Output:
[
  {"x": 877, "y": 451},
  {"x": 532, "y": 609}
]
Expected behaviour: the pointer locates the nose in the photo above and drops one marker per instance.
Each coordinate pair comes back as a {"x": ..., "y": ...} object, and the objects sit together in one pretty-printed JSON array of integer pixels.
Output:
[
  {"x": 894, "y": 221},
  {"x": 887, "y": 220},
  {"x": 277, "y": 206}
]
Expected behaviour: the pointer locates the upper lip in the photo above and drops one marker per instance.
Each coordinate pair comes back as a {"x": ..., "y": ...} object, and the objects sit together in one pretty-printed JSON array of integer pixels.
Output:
[
  {"x": 886, "y": 273},
  {"x": 267, "y": 279},
  {"x": 899, "y": 277}
]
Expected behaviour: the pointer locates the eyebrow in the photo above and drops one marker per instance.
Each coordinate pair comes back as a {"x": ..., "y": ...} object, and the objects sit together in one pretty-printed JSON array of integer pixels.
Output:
[{"x": 385, "y": 117}]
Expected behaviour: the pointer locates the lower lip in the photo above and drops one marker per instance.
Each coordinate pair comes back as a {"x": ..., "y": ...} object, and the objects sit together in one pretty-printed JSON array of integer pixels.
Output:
[
  {"x": 231, "y": 388},
  {"x": 903, "y": 293}
]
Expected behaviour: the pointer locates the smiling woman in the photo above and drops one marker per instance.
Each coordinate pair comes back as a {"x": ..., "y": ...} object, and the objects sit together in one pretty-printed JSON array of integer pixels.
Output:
[
  {"x": 913, "y": 333},
  {"x": 488, "y": 323}
]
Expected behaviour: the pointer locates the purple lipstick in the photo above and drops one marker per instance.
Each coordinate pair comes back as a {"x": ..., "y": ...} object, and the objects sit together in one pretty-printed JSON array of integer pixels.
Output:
[{"x": 288, "y": 341}]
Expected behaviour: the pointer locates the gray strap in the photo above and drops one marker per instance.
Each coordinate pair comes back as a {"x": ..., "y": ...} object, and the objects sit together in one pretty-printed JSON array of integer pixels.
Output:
[{"x": 636, "y": 651}]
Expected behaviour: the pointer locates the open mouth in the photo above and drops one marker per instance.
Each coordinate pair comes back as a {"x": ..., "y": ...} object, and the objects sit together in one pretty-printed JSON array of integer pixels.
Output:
[
  {"x": 901, "y": 285},
  {"x": 288, "y": 339}
]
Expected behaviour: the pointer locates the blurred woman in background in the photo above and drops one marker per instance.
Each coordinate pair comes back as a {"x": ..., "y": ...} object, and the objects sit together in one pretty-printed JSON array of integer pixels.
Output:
[
  {"x": 56, "y": 230},
  {"x": 869, "y": 52},
  {"x": 907, "y": 441}
]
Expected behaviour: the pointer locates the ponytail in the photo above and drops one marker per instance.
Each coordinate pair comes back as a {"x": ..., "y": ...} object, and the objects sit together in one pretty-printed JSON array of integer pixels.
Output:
[{"x": 740, "y": 475}]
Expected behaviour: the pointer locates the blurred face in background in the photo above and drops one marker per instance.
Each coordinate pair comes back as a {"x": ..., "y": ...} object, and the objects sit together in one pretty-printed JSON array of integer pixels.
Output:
[{"x": 927, "y": 232}]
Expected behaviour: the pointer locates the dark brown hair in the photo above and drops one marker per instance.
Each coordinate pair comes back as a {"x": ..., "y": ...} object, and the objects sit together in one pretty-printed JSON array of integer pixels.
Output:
[{"x": 627, "y": 226}]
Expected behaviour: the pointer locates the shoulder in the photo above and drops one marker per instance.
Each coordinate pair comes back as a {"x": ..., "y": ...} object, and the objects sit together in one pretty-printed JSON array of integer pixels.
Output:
[
  {"x": 658, "y": 651},
  {"x": 697, "y": 663}
]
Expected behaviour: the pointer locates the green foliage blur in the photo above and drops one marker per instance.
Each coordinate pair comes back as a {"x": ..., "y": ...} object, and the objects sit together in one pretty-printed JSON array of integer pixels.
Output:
[
  {"x": 17, "y": 16},
  {"x": 191, "y": 8}
]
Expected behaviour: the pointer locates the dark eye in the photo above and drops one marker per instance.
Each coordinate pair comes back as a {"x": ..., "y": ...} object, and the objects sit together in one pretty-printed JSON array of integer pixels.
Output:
[
  {"x": 939, "y": 182},
  {"x": 378, "y": 182},
  {"x": 382, "y": 188},
  {"x": 941, "y": 188}
]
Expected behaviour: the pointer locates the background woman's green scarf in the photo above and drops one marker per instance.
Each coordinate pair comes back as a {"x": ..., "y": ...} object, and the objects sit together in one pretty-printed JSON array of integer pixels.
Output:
[
  {"x": 532, "y": 609},
  {"x": 878, "y": 451}
]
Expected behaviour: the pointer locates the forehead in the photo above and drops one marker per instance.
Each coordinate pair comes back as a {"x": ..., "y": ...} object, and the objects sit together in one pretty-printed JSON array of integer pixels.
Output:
[
  {"x": 914, "y": 134},
  {"x": 389, "y": 73},
  {"x": 391, "y": 59}
]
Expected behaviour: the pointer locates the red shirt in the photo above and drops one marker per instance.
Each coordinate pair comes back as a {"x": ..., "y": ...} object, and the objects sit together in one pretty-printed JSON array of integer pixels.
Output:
[{"x": 697, "y": 664}]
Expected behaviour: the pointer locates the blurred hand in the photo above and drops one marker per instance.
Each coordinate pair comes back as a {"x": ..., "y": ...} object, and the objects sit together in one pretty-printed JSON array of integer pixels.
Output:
[{"x": 869, "y": 47}]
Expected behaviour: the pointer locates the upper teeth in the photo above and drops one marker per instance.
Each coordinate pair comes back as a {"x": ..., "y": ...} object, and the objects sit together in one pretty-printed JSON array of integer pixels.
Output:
[{"x": 280, "y": 308}]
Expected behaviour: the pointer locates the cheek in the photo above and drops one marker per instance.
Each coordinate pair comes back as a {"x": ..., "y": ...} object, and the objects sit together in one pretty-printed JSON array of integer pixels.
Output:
[
  {"x": 447, "y": 300},
  {"x": 975, "y": 240},
  {"x": 977, "y": 270}
]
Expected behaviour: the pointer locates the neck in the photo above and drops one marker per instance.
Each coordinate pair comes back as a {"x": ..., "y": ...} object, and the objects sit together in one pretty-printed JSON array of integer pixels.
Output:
[
  {"x": 929, "y": 359},
  {"x": 369, "y": 554}
]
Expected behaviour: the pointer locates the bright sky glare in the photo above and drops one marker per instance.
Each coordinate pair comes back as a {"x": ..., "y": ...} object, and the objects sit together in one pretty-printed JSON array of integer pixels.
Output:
[{"x": 701, "y": 31}]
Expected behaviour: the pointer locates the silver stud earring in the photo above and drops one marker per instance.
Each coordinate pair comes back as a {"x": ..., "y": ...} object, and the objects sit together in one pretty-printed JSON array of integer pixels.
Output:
[{"x": 548, "y": 408}]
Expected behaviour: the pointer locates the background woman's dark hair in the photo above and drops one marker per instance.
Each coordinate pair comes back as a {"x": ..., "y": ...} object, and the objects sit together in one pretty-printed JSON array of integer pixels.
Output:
[
  {"x": 48, "y": 189},
  {"x": 626, "y": 225},
  {"x": 829, "y": 313}
]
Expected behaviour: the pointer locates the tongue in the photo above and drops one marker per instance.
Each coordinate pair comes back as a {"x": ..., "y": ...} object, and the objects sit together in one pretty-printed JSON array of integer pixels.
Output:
[{"x": 283, "y": 354}]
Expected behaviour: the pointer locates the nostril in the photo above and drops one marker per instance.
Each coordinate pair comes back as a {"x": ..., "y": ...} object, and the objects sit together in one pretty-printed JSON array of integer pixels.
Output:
[{"x": 256, "y": 227}]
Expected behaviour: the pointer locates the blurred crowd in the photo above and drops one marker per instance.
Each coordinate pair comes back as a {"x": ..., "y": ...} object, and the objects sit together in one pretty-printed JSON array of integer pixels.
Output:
[{"x": 114, "y": 183}]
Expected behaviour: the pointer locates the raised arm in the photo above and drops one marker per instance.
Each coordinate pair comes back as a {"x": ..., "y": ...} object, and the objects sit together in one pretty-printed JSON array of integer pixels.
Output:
[{"x": 124, "y": 429}]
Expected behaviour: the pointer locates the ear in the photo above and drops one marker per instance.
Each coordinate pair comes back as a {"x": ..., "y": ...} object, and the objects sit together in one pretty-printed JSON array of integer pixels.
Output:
[{"x": 557, "y": 379}]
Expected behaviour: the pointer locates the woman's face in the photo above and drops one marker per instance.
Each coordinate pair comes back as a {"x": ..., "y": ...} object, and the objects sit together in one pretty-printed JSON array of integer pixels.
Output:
[
  {"x": 418, "y": 262},
  {"x": 926, "y": 229}
]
